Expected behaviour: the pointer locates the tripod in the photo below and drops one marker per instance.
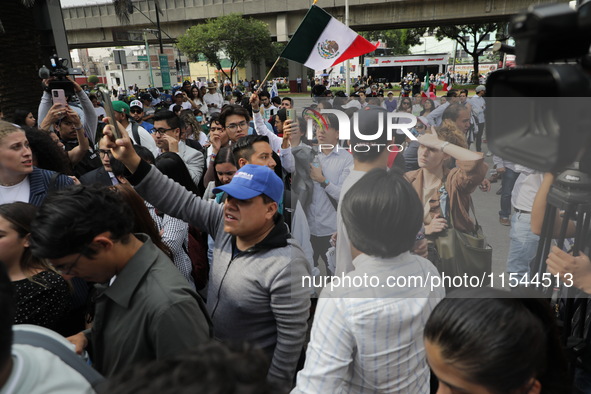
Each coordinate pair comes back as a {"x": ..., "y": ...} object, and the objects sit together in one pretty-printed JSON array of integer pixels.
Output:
[{"x": 570, "y": 193}]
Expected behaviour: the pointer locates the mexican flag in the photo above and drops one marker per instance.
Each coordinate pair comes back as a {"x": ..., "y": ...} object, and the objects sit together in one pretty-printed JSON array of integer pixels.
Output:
[
  {"x": 322, "y": 42},
  {"x": 447, "y": 83},
  {"x": 426, "y": 86}
]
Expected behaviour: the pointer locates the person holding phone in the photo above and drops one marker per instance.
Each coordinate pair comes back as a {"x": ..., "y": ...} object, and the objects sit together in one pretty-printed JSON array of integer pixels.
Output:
[{"x": 79, "y": 102}]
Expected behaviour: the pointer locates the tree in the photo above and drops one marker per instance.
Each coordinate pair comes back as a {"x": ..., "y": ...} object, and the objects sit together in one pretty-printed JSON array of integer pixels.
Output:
[
  {"x": 233, "y": 36},
  {"x": 397, "y": 41},
  {"x": 475, "y": 33}
]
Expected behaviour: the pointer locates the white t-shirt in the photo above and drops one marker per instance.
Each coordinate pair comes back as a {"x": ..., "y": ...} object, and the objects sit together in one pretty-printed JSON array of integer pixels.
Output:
[
  {"x": 37, "y": 371},
  {"x": 185, "y": 105},
  {"x": 100, "y": 111},
  {"x": 19, "y": 192},
  {"x": 146, "y": 139}
]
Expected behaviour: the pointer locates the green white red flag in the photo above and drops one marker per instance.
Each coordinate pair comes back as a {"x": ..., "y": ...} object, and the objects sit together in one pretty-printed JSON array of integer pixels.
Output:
[{"x": 322, "y": 42}]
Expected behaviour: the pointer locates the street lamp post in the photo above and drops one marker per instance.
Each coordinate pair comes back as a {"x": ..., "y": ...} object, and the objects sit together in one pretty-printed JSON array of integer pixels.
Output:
[{"x": 149, "y": 58}]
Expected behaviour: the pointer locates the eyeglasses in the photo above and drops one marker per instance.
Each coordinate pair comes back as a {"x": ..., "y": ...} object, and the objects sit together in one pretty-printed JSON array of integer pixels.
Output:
[
  {"x": 66, "y": 269},
  {"x": 234, "y": 126},
  {"x": 104, "y": 152},
  {"x": 136, "y": 111},
  {"x": 160, "y": 131}
]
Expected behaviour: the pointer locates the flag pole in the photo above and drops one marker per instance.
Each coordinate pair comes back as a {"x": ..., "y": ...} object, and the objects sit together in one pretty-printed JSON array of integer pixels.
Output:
[{"x": 269, "y": 73}]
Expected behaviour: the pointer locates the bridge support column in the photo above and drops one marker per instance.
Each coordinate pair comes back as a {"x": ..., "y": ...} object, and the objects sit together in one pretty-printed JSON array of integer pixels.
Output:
[{"x": 297, "y": 70}]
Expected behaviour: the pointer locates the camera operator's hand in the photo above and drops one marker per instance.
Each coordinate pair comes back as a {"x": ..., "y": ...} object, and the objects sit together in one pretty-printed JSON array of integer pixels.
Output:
[
  {"x": 77, "y": 88},
  {"x": 562, "y": 263},
  {"x": 45, "y": 82}
]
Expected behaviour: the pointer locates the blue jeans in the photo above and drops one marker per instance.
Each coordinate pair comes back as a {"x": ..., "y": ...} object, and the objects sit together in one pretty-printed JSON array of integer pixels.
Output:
[
  {"x": 509, "y": 178},
  {"x": 522, "y": 246}
]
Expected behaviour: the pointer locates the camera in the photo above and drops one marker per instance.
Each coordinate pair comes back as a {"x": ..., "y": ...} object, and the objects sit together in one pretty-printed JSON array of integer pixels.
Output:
[
  {"x": 59, "y": 70},
  {"x": 538, "y": 114}
]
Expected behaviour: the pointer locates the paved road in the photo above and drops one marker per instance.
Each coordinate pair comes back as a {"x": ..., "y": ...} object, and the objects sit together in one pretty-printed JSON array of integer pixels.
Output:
[{"x": 487, "y": 207}]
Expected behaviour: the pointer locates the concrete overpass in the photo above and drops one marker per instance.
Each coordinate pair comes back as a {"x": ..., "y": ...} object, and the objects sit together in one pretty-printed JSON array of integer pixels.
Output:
[{"x": 97, "y": 26}]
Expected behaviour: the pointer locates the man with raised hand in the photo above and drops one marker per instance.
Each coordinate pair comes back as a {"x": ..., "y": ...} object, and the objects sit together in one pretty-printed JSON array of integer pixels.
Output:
[{"x": 255, "y": 291}]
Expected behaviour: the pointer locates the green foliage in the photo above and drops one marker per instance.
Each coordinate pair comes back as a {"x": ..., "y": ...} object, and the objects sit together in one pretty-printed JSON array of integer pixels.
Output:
[
  {"x": 232, "y": 36},
  {"x": 93, "y": 79},
  {"x": 398, "y": 41},
  {"x": 282, "y": 67},
  {"x": 475, "y": 34}
]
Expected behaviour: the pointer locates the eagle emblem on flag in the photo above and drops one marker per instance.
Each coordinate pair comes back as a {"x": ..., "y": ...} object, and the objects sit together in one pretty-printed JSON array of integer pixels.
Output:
[{"x": 328, "y": 49}]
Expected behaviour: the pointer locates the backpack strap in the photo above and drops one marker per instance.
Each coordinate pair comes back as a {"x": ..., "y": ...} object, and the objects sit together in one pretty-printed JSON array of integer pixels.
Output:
[
  {"x": 136, "y": 134},
  {"x": 66, "y": 355}
]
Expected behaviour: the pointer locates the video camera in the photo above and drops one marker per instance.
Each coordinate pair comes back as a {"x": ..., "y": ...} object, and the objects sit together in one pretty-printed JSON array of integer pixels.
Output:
[
  {"x": 59, "y": 70},
  {"x": 537, "y": 114}
]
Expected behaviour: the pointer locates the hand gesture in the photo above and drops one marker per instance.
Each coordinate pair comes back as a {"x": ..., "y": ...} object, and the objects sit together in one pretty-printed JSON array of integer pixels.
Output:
[
  {"x": 56, "y": 112},
  {"x": 73, "y": 117},
  {"x": 485, "y": 185},
  {"x": 216, "y": 142},
  {"x": 173, "y": 143},
  {"x": 430, "y": 139},
  {"x": 122, "y": 148},
  {"x": 254, "y": 101},
  {"x": 437, "y": 225},
  {"x": 562, "y": 263}
]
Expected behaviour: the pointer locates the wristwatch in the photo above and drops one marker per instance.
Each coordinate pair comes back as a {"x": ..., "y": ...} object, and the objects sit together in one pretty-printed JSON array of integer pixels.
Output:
[{"x": 325, "y": 183}]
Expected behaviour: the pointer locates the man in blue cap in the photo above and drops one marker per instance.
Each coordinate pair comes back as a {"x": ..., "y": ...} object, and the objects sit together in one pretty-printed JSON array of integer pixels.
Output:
[{"x": 254, "y": 293}]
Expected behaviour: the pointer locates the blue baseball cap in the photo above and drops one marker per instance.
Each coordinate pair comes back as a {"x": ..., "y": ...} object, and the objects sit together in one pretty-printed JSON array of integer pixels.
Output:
[{"x": 253, "y": 180}]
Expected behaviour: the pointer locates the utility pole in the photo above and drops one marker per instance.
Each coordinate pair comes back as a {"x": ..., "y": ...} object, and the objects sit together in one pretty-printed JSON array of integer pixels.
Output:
[
  {"x": 149, "y": 58},
  {"x": 347, "y": 63}
]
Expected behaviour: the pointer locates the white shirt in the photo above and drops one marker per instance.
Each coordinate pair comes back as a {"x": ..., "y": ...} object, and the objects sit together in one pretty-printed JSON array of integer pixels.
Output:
[
  {"x": 146, "y": 139},
  {"x": 19, "y": 192},
  {"x": 322, "y": 216},
  {"x": 434, "y": 117},
  {"x": 526, "y": 187},
  {"x": 370, "y": 340},
  {"x": 478, "y": 106},
  {"x": 100, "y": 111},
  {"x": 344, "y": 259},
  {"x": 216, "y": 99},
  {"x": 185, "y": 105}
]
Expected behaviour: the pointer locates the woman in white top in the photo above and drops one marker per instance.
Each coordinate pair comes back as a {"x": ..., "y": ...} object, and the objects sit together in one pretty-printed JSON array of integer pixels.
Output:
[
  {"x": 198, "y": 100},
  {"x": 19, "y": 180}
]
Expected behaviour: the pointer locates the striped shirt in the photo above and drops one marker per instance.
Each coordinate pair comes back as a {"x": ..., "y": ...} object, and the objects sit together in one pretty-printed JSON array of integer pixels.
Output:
[{"x": 370, "y": 339}]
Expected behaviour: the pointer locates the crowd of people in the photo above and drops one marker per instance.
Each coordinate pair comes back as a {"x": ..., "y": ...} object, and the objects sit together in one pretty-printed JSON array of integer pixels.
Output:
[{"x": 170, "y": 246}]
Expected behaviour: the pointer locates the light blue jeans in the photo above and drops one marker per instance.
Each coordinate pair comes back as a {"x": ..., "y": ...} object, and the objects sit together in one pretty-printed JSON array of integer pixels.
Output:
[{"x": 523, "y": 245}]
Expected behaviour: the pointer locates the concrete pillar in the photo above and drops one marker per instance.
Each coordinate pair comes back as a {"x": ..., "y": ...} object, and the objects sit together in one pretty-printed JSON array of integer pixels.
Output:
[
  {"x": 281, "y": 26},
  {"x": 297, "y": 70}
]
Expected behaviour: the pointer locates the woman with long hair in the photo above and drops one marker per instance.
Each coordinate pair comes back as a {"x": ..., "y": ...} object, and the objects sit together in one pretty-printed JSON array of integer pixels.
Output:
[
  {"x": 495, "y": 344},
  {"x": 435, "y": 180},
  {"x": 42, "y": 296},
  {"x": 197, "y": 98},
  {"x": 47, "y": 153},
  {"x": 428, "y": 107},
  {"x": 405, "y": 105},
  {"x": 24, "y": 118}
]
